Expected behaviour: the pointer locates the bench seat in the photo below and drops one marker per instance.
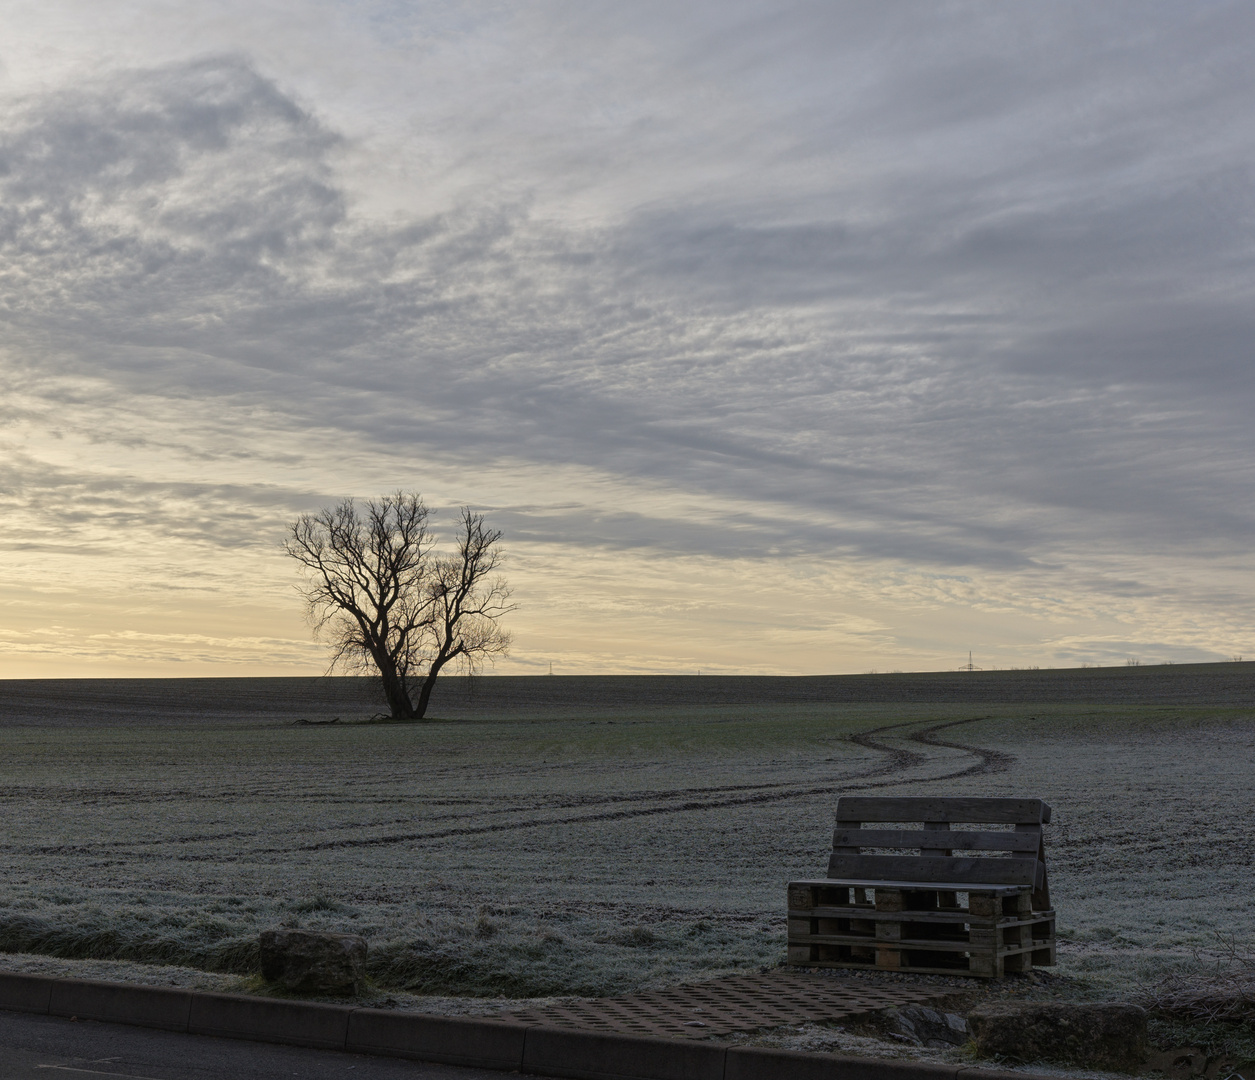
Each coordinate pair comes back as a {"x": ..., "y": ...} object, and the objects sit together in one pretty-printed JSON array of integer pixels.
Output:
[
  {"x": 933, "y": 911},
  {"x": 951, "y": 886}
]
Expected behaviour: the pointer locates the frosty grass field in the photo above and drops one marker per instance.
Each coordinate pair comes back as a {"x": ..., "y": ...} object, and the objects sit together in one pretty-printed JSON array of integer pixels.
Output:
[{"x": 594, "y": 836}]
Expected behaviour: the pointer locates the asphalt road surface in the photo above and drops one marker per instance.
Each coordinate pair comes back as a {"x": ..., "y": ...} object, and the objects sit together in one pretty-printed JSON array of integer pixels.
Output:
[{"x": 47, "y": 1047}]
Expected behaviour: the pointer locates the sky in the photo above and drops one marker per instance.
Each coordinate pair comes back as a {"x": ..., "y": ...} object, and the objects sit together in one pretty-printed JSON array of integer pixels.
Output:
[{"x": 776, "y": 338}]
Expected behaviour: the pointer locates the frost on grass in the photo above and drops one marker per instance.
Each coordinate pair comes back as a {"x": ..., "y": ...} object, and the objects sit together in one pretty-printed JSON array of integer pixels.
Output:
[
  {"x": 504, "y": 951},
  {"x": 578, "y": 857}
]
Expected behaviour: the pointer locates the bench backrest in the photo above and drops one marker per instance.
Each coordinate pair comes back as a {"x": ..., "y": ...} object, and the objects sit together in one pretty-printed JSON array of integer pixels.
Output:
[{"x": 945, "y": 854}]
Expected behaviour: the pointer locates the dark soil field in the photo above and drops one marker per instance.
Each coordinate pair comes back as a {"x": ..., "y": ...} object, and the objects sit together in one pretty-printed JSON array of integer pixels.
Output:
[
  {"x": 164, "y": 701},
  {"x": 555, "y": 835}
]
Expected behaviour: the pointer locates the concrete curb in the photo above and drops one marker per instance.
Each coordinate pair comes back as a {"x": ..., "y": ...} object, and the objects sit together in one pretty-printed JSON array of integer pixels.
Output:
[
  {"x": 297, "y": 1023},
  {"x": 121, "y": 1003},
  {"x": 25, "y": 993},
  {"x": 452, "y": 1040},
  {"x": 759, "y": 1063},
  {"x": 598, "y": 1055}
]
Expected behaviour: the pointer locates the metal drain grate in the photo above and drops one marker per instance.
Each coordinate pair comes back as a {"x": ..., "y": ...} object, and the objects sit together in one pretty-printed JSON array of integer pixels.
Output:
[{"x": 740, "y": 1003}]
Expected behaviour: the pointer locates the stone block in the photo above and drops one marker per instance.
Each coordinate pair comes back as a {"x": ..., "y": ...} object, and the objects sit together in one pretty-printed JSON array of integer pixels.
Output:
[{"x": 309, "y": 962}]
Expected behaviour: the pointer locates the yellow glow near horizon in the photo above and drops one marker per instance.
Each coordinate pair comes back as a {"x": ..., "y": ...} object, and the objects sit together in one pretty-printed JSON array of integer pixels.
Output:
[{"x": 775, "y": 343}]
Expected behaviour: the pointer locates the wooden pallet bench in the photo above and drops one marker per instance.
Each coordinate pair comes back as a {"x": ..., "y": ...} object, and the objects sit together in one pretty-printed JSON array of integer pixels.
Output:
[{"x": 972, "y": 900}]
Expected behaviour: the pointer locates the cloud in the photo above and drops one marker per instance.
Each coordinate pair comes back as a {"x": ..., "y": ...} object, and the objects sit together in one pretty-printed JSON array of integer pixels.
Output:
[{"x": 950, "y": 288}]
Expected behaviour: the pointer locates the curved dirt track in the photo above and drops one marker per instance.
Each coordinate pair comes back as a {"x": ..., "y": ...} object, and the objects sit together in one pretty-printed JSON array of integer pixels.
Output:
[
  {"x": 990, "y": 761},
  {"x": 908, "y": 752},
  {"x": 890, "y": 772}
]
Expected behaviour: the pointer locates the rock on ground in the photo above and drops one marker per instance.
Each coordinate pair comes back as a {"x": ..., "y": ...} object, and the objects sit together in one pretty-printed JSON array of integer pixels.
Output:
[
  {"x": 309, "y": 962},
  {"x": 928, "y": 1027},
  {"x": 1096, "y": 1036}
]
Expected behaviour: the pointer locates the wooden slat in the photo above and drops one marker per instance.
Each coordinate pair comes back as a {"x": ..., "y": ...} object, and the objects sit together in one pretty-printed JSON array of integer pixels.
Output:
[
  {"x": 937, "y": 847},
  {"x": 924, "y": 838},
  {"x": 934, "y": 869},
  {"x": 1041, "y": 894},
  {"x": 924, "y": 945},
  {"x": 856, "y": 965},
  {"x": 879, "y": 883},
  {"x": 926, "y": 808},
  {"x": 912, "y": 945},
  {"x": 921, "y": 916},
  {"x": 845, "y": 825}
]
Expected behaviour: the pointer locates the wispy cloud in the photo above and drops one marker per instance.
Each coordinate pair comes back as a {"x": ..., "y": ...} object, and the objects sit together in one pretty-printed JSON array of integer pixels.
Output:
[{"x": 956, "y": 291}]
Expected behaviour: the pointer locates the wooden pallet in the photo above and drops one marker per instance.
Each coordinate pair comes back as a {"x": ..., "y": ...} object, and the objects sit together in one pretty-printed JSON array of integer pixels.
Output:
[
  {"x": 959, "y": 930},
  {"x": 931, "y": 912}
]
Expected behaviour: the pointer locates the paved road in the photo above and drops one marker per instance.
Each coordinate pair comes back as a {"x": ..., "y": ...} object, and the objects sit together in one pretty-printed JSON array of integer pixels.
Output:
[{"x": 47, "y": 1047}]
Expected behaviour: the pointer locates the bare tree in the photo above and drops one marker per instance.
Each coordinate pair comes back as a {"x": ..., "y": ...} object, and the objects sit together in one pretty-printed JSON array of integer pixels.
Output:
[{"x": 384, "y": 599}]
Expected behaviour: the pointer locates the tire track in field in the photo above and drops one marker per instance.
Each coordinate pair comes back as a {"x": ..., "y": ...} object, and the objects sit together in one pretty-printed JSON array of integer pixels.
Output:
[
  {"x": 991, "y": 761},
  {"x": 899, "y": 758},
  {"x": 886, "y": 774},
  {"x": 896, "y": 760}
]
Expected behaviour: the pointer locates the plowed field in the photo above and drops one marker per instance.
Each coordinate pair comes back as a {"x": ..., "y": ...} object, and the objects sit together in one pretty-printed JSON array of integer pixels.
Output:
[{"x": 596, "y": 836}]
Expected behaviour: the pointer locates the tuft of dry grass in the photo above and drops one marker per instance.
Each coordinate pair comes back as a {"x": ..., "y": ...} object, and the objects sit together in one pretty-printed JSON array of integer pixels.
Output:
[{"x": 1225, "y": 992}]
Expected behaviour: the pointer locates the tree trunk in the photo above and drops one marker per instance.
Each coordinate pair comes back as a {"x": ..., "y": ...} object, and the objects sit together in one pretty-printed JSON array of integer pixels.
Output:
[
  {"x": 429, "y": 683},
  {"x": 424, "y": 695},
  {"x": 399, "y": 704}
]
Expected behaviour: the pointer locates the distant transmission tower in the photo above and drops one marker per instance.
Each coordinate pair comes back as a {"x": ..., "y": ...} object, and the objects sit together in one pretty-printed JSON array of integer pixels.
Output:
[{"x": 969, "y": 666}]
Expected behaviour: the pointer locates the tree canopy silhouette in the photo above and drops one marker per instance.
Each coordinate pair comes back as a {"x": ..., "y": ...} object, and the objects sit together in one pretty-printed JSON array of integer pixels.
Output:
[{"x": 386, "y": 600}]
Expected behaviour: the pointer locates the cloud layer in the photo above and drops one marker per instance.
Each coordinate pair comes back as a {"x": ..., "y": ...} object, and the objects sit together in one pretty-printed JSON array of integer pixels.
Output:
[{"x": 905, "y": 315}]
